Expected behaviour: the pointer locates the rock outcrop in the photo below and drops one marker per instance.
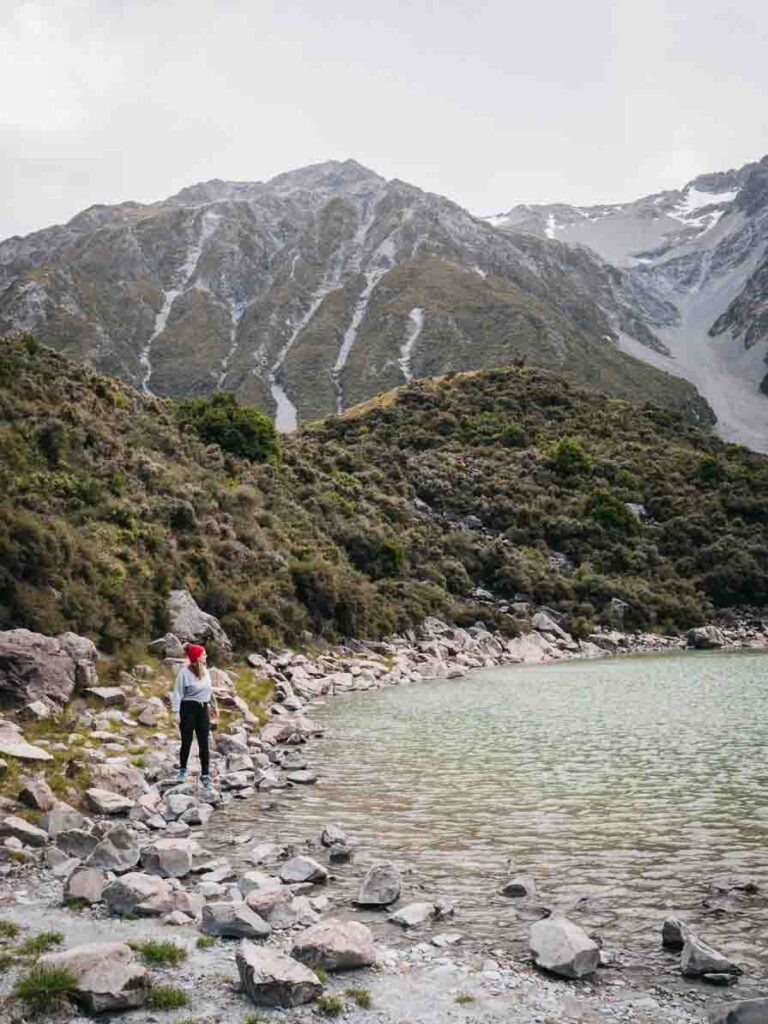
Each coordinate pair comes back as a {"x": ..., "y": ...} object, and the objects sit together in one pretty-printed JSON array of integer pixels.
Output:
[
  {"x": 191, "y": 624},
  {"x": 35, "y": 667}
]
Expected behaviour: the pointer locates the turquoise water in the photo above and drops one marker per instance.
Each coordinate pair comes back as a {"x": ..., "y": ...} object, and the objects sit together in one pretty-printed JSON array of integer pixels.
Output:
[{"x": 626, "y": 787}]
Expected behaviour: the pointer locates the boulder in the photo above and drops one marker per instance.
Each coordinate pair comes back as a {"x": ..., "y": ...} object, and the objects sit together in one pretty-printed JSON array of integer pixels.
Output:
[
  {"x": 302, "y": 869},
  {"x": 302, "y": 778},
  {"x": 522, "y": 885},
  {"x": 125, "y": 779},
  {"x": 746, "y": 1011},
  {"x": 413, "y": 914},
  {"x": 168, "y": 646},
  {"x": 282, "y": 729},
  {"x": 673, "y": 933},
  {"x": 191, "y": 624},
  {"x": 30, "y": 835},
  {"x": 76, "y": 842},
  {"x": 34, "y": 667},
  {"x": 38, "y": 795},
  {"x": 13, "y": 744},
  {"x": 104, "y": 801},
  {"x": 380, "y": 887},
  {"x": 335, "y": 945},
  {"x": 340, "y": 853},
  {"x": 177, "y": 804},
  {"x": 126, "y": 894},
  {"x": 272, "y": 979},
  {"x": 698, "y": 959},
  {"x": 562, "y": 947},
  {"x": 117, "y": 851},
  {"x": 196, "y": 815},
  {"x": 233, "y": 921},
  {"x": 706, "y": 637},
  {"x": 86, "y": 884},
  {"x": 108, "y": 977},
  {"x": 169, "y": 858},
  {"x": 258, "y": 881}
]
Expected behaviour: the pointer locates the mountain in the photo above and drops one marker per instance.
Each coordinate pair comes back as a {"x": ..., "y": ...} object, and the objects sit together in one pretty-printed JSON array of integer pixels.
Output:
[
  {"x": 322, "y": 287},
  {"x": 702, "y": 253},
  {"x": 514, "y": 480}
]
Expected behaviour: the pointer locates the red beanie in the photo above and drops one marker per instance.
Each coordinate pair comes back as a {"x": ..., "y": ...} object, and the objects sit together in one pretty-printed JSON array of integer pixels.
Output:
[{"x": 194, "y": 651}]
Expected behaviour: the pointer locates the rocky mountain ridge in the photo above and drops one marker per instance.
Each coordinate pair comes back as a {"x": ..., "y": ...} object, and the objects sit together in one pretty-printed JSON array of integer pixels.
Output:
[
  {"x": 322, "y": 287},
  {"x": 701, "y": 253}
]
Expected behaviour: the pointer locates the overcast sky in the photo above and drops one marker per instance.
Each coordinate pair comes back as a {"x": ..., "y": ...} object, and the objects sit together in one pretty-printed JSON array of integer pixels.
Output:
[{"x": 490, "y": 102}]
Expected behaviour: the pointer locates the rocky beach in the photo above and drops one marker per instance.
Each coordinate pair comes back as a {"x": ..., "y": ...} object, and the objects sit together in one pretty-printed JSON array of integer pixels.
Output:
[{"x": 102, "y": 849}]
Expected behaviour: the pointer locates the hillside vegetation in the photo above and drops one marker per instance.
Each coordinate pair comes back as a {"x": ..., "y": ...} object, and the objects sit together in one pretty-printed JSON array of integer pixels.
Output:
[{"x": 358, "y": 526}]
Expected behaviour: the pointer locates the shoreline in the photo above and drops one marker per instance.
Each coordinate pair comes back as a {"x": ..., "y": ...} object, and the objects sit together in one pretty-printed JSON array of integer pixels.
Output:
[{"x": 496, "y": 980}]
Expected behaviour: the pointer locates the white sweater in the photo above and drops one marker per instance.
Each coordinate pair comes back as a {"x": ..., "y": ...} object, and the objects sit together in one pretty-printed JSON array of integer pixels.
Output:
[{"x": 189, "y": 687}]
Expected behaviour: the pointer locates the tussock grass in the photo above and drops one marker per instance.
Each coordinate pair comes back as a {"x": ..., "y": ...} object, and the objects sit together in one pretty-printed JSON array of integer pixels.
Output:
[
  {"x": 331, "y": 1006},
  {"x": 463, "y": 998},
  {"x": 44, "y": 989},
  {"x": 361, "y": 996},
  {"x": 159, "y": 951},
  {"x": 167, "y": 997},
  {"x": 36, "y": 945},
  {"x": 205, "y": 941},
  {"x": 9, "y": 930}
]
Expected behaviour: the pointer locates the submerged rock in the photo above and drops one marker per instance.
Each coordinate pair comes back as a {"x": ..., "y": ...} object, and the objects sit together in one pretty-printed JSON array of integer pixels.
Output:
[
  {"x": 562, "y": 947},
  {"x": 273, "y": 979},
  {"x": 413, "y": 915},
  {"x": 522, "y": 885},
  {"x": 746, "y": 1011},
  {"x": 673, "y": 933}
]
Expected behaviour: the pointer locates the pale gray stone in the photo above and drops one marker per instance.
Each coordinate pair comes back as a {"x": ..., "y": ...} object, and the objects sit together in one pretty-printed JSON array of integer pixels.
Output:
[
  {"x": 562, "y": 947},
  {"x": 273, "y": 979}
]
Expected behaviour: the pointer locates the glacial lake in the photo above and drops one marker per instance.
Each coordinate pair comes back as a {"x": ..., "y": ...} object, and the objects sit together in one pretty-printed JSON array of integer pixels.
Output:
[{"x": 627, "y": 788}]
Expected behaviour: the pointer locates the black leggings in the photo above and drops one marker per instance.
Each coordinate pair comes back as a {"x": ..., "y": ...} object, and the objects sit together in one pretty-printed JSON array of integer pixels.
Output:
[{"x": 194, "y": 721}]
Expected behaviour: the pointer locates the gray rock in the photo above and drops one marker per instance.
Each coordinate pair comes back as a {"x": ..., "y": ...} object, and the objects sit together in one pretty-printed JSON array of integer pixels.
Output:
[
  {"x": 169, "y": 858},
  {"x": 699, "y": 959},
  {"x": 108, "y": 977},
  {"x": 38, "y": 795},
  {"x": 413, "y": 914},
  {"x": 197, "y": 815},
  {"x": 127, "y": 894},
  {"x": 335, "y": 945},
  {"x": 117, "y": 851},
  {"x": 562, "y": 947},
  {"x": 168, "y": 646},
  {"x": 340, "y": 853},
  {"x": 35, "y": 667},
  {"x": 191, "y": 624},
  {"x": 61, "y": 819},
  {"x": 125, "y": 779},
  {"x": 257, "y": 881},
  {"x": 522, "y": 885},
  {"x": 706, "y": 637},
  {"x": 13, "y": 744},
  {"x": 302, "y": 869},
  {"x": 673, "y": 933},
  {"x": 273, "y": 979},
  {"x": 104, "y": 801},
  {"x": 380, "y": 887},
  {"x": 332, "y": 834},
  {"x": 30, "y": 835},
  {"x": 109, "y": 696},
  {"x": 175, "y": 805},
  {"x": 76, "y": 842},
  {"x": 746, "y": 1011},
  {"x": 85, "y": 884},
  {"x": 234, "y": 921},
  {"x": 302, "y": 778}
]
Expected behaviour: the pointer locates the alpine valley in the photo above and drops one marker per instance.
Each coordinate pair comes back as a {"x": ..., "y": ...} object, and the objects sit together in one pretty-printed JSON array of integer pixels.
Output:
[{"x": 325, "y": 286}]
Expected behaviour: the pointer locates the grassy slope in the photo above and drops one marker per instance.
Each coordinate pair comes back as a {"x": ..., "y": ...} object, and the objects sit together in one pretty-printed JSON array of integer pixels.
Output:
[{"x": 105, "y": 506}]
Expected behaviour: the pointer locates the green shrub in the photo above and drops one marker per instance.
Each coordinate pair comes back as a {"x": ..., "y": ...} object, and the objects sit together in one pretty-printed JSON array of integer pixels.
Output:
[
  {"x": 610, "y": 512},
  {"x": 221, "y": 420},
  {"x": 9, "y": 929},
  {"x": 464, "y": 998},
  {"x": 205, "y": 941},
  {"x": 569, "y": 457}
]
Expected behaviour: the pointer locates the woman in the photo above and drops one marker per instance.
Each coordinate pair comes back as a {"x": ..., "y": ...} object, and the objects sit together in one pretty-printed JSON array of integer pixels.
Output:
[{"x": 194, "y": 702}]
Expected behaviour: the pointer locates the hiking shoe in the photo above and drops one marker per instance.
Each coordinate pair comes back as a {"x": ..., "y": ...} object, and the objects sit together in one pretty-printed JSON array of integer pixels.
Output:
[
  {"x": 182, "y": 776},
  {"x": 206, "y": 783}
]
